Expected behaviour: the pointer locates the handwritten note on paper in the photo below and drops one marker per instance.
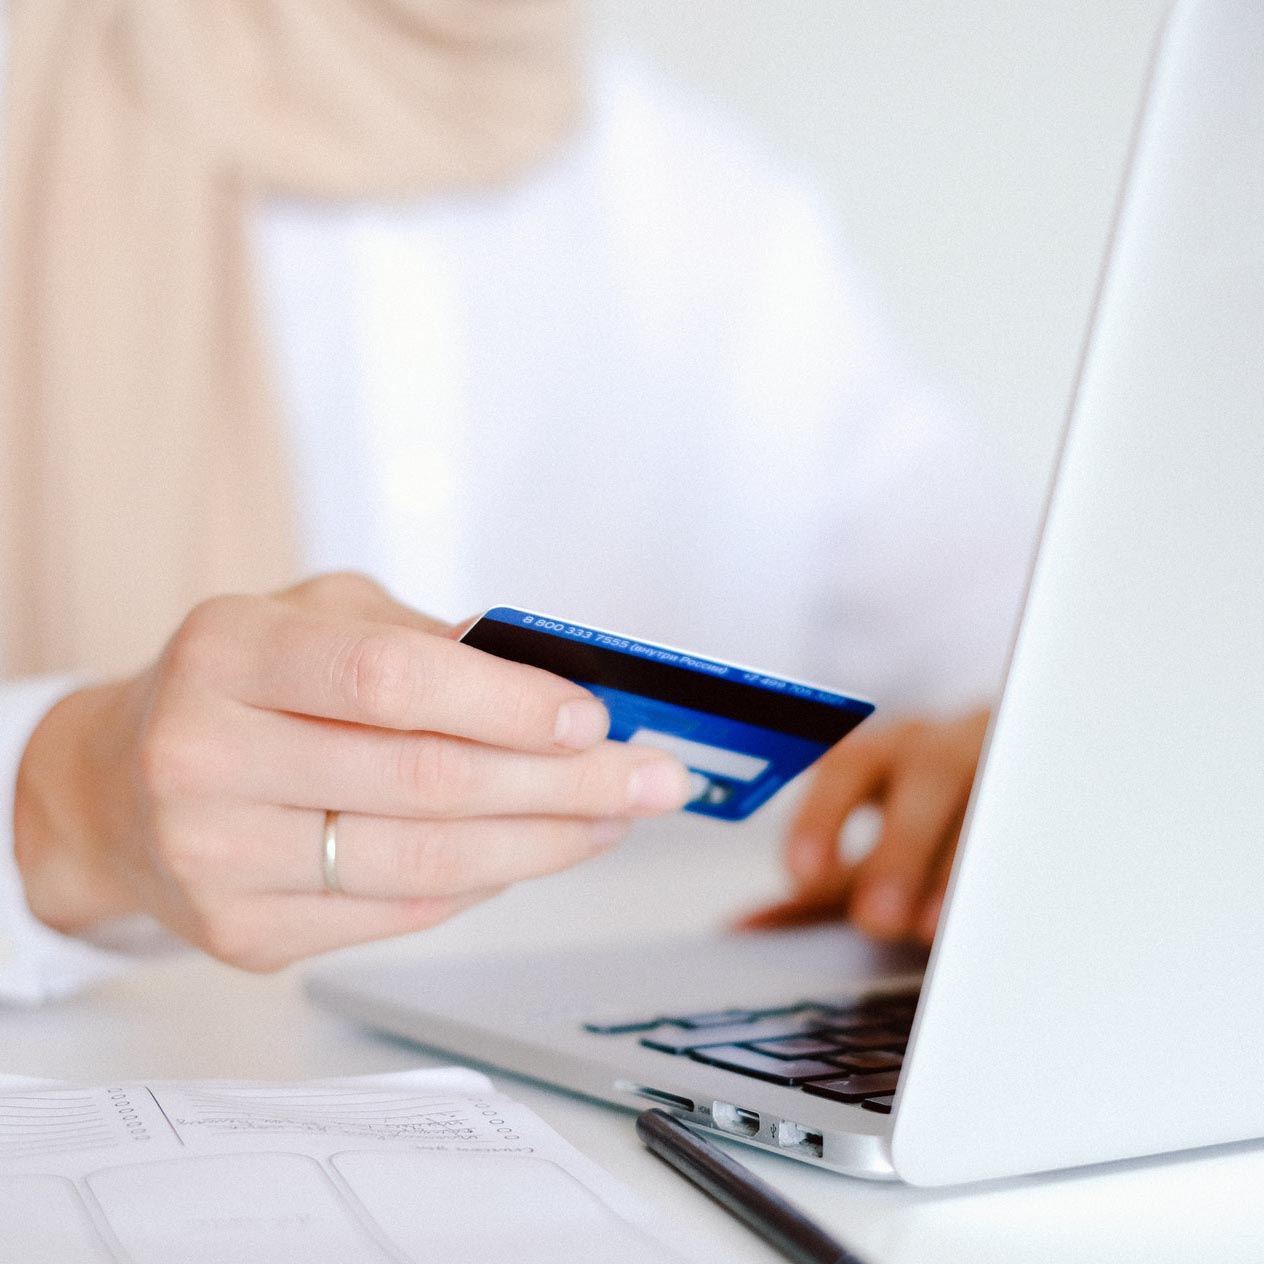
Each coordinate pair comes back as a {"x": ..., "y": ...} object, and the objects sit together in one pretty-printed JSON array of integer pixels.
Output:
[{"x": 392, "y": 1169}]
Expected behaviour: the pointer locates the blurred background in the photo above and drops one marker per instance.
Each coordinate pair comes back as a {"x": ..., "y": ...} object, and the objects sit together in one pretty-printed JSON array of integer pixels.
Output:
[{"x": 972, "y": 150}]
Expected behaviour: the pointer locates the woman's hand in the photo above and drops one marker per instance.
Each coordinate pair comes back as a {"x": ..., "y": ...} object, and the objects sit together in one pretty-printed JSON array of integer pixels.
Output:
[
  {"x": 197, "y": 791},
  {"x": 917, "y": 776}
]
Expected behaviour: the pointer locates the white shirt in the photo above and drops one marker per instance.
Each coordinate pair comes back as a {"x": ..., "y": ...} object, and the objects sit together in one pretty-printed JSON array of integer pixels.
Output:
[{"x": 637, "y": 389}]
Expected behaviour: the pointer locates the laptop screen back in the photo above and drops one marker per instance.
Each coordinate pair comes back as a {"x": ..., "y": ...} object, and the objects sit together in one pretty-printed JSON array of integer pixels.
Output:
[{"x": 1104, "y": 931}]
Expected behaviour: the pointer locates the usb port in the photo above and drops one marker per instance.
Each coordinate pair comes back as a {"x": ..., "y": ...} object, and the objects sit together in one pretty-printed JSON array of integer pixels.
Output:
[
  {"x": 792, "y": 1136},
  {"x": 734, "y": 1119}
]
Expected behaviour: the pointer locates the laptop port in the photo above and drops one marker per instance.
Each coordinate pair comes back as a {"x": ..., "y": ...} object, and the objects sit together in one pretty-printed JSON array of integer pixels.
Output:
[
  {"x": 656, "y": 1095},
  {"x": 734, "y": 1119},
  {"x": 792, "y": 1136}
]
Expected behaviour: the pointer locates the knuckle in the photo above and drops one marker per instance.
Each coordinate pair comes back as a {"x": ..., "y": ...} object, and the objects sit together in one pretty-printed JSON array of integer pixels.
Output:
[
  {"x": 178, "y": 759},
  {"x": 426, "y": 866},
  {"x": 159, "y": 759},
  {"x": 436, "y": 773},
  {"x": 377, "y": 673},
  {"x": 202, "y": 642},
  {"x": 598, "y": 785},
  {"x": 523, "y": 711},
  {"x": 338, "y": 590}
]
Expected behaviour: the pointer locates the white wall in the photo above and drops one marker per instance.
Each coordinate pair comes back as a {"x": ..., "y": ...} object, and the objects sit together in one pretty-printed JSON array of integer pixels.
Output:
[{"x": 973, "y": 151}]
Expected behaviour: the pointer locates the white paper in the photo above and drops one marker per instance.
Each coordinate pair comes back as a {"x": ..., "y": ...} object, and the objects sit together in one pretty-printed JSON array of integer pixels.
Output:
[{"x": 411, "y": 1168}]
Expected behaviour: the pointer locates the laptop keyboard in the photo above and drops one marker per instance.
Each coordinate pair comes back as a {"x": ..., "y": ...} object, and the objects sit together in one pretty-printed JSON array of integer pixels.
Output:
[{"x": 847, "y": 1053}]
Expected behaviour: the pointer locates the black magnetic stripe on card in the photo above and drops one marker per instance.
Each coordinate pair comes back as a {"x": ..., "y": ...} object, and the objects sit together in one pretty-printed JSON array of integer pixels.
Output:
[{"x": 592, "y": 665}]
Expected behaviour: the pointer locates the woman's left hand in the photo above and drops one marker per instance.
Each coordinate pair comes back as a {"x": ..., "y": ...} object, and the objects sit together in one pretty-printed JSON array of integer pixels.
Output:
[{"x": 917, "y": 775}]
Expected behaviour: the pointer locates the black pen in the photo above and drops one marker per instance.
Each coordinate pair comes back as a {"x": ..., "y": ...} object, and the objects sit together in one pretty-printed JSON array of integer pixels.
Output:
[{"x": 740, "y": 1192}]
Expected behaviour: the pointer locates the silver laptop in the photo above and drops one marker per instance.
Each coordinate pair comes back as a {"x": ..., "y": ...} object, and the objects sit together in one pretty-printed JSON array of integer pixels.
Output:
[{"x": 1096, "y": 990}]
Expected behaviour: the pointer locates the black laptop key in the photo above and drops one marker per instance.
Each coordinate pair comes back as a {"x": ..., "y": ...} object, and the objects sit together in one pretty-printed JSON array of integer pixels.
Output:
[
  {"x": 622, "y": 1027},
  {"x": 717, "y": 1018},
  {"x": 907, "y": 997},
  {"x": 890, "y": 1002},
  {"x": 798, "y": 1047},
  {"x": 855, "y": 1088},
  {"x": 857, "y": 1024},
  {"x": 762, "y": 1067},
  {"x": 872, "y": 1038},
  {"x": 870, "y": 1008},
  {"x": 840, "y": 1009},
  {"x": 797, "y": 1008},
  {"x": 680, "y": 1040},
  {"x": 869, "y": 1060},
  {"x": 881, "y": 1104},
  {"x": 900, "y": 1013}
]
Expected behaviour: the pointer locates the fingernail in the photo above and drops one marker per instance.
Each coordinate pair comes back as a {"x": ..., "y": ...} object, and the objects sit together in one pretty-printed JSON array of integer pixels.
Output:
[
  {"x": 884, "y": 905},
  {"x": 859, "y": 833},
  {"x": 609, "y": 833},
  {"x": 658, "y": 785},
  {"x": 581, "y": 723}
]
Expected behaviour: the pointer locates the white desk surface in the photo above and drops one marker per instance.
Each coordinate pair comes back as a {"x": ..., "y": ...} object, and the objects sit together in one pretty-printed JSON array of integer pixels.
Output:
[{"x": 190, "y": 1017}]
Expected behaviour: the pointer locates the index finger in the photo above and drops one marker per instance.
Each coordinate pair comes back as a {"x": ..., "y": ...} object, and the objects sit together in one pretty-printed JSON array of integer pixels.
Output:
[
  {"x": 388, "y": 676},
  {"x": 846, "y": 778}
]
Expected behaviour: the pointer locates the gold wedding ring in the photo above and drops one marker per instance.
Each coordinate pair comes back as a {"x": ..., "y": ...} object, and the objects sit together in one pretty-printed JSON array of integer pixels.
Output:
[{"x": 329, "y": 854}]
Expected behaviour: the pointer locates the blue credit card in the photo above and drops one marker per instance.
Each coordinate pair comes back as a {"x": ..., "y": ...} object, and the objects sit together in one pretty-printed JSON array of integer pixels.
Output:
[{"x": 742, "y": 734}]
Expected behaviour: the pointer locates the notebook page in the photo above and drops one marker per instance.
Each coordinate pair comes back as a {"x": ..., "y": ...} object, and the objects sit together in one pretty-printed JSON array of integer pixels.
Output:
[{"x": 407, "y": 1168}]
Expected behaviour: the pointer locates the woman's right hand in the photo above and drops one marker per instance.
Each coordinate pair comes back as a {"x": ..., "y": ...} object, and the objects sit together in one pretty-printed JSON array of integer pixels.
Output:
[{"x": 197, "y": 791}]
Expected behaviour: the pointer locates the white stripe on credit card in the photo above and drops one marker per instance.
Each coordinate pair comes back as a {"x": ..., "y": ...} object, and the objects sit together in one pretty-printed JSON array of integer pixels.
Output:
[{"x": 713, "y": 759}]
